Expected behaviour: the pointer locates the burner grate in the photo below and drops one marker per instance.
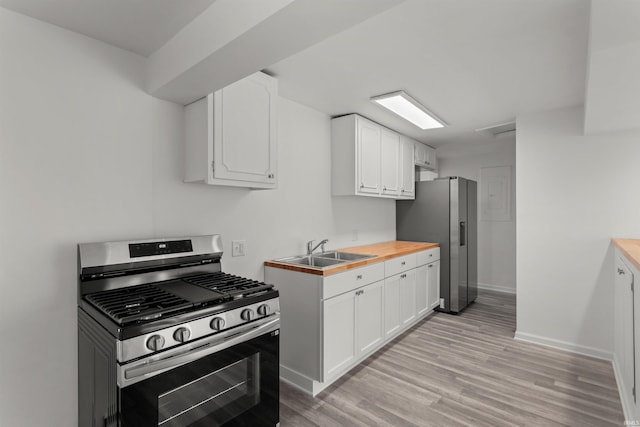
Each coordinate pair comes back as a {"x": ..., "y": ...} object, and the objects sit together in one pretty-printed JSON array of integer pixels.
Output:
[
  {"x": 137, "y": 303},
  {"x": 228, "y": 284}
]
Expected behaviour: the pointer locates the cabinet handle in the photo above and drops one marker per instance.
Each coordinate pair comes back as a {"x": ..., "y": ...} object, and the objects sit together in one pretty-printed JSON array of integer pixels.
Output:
[
  {"x": 384, "y": 188},
  {"x": 620, "y": 271},
  {"x": 402, "y": 276},
  {"x": 403, "y": 263},
  {"x": 402, "y": 190},
  {"x": 430, "y": 255},
  {"x": 362, "y": 185},
  {"x": 359, "y": 276}
]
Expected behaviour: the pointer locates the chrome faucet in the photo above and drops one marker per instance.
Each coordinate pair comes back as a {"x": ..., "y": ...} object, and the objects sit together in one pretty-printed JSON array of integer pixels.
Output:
[{"x": 311, "y": 248}]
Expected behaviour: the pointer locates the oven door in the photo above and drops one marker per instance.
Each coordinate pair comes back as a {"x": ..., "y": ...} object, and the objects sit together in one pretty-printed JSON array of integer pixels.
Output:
[{"x": 231, "y": 380}]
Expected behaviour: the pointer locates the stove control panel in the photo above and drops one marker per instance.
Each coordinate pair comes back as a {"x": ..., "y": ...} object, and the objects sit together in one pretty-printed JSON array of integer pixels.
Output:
[{"x": 193, "y": 330}]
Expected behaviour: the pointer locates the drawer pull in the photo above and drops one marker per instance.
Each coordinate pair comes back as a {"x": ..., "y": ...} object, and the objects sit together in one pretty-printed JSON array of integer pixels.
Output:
[
  {"x": 620, "y": 271},
  {"x": 430, "y": 255},
  {"x": 403, "y": 263},
  {"x": 359, "y": 277},
  {"x": 430, "y": 265}
]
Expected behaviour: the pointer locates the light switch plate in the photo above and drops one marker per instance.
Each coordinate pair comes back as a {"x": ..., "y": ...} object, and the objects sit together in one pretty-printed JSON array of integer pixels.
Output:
[{"x": 238, "y": 247}]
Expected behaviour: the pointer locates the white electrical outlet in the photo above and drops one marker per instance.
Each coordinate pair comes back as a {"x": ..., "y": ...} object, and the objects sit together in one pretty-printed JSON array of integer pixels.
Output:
[{"x": 238, "y": 247}]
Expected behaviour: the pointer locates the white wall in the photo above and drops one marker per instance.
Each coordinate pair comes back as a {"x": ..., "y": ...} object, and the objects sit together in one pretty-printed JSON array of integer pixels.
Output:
[
  {"x": 86, "y": 155},
  {"x": 75, "y": 138},
  {"x": 574, "y": 194},
  {"x": 274, "y": 223},
  {"x": 496, "y": 239}
]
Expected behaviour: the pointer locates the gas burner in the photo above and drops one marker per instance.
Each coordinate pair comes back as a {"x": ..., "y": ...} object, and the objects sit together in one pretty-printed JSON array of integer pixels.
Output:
[{"x": 138, "y": 303}]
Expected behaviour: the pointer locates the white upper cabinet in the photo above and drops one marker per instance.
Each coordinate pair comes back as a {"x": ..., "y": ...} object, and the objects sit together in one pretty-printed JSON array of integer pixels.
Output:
[
  {"x": 231, "y": 135},
  {"x": 408, "y": 171},
  {"x": 425, "y": 156},
  {"x": 368, "y": 155},
  {"x": 369, "y": 160},
  {"x": 390, "y": 164}
]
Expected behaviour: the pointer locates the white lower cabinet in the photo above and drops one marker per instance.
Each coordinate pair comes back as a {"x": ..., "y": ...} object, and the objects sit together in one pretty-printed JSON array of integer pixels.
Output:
[
  {"x": 352, "y": 327},
  {"x": 339, "y": 333},
  {"x": 433, "y": 285},
  {"x": 331, "y": 323},
  {"x": 392, "y": 305},
  {"x": 627, "y": 336}
]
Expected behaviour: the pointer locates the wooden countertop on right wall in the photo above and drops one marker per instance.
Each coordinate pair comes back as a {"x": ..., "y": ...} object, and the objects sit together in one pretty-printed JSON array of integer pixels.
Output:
[{"x": 630, "y": 248}]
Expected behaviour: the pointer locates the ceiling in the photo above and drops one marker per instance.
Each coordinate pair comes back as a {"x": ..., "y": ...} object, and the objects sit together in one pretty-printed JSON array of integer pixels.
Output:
[
  {"x": 474, "y": 63},
  {"x": 140, "y": 26}
]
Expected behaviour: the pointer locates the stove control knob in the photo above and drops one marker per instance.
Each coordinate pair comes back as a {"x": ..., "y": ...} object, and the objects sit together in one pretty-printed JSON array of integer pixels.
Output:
[
  {"x": 247, "y": 314},
  {"x": 217, "y": 323},
  {"x": 155, "y": 342},
  {"x": 182, "y": 334},
  {"x": 264, "y": 310}
]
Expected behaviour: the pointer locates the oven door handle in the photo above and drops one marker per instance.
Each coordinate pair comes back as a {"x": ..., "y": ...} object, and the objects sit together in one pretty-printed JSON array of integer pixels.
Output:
[{"x": 147, "y": 368}]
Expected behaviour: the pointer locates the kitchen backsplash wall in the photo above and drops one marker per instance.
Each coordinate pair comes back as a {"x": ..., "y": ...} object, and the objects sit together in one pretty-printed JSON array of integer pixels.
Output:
[{"x": 274, "y": 223}]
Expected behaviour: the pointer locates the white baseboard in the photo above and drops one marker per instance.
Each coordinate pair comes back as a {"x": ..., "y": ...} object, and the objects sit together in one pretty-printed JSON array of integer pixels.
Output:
[
  {"x": 627, "y": 406},
  {"x": 564, "y": 345},
  {"x": 497, "y": 288}
]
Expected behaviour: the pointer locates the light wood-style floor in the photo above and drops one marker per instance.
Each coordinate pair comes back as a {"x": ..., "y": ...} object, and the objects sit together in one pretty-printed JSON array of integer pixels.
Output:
[{"x": 464, "y": 370}]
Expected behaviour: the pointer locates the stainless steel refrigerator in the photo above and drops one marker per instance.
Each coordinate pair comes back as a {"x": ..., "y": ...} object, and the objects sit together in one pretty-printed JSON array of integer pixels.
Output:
[{"x": 445, "y": 211}]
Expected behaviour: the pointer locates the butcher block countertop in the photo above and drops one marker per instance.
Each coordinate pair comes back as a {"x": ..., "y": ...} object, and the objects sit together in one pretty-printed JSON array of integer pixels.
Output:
[
  {"x": 382, "y": 251},
  {"x": 630, "y": 248}
]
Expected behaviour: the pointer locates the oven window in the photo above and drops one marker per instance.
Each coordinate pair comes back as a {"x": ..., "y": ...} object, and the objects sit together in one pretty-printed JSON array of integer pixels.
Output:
[
  {"x": 234, "y": 387},
  {"x": 229, "y": 391}
]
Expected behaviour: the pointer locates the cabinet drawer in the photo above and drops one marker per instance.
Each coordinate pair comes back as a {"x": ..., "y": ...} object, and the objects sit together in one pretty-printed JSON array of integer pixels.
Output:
[
  {"x": 428, "y": 256},
  {"x": 399, "y": 264},
  {"x": 340, "y": 283}
]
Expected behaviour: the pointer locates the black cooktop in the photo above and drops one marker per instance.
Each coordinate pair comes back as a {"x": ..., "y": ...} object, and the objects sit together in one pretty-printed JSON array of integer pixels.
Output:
[{"x": 149, "y": 302}]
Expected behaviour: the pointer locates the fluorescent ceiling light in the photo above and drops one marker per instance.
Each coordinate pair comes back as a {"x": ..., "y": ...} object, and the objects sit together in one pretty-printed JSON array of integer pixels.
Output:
[{"x": 409, "y": 109}]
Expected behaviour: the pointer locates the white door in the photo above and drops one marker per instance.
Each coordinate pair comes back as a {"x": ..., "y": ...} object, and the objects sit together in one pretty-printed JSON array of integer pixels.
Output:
[
  {"x": 390, "y": 162},
  {"x": 422, "y": 290},
  {"x": 392, "y": 305},
  {"x": 407, "y": 167},
  {"x": 433, "y": 289},
  {"x": 339, "y": 322},
  {"x": 244, "y": 141},
  {"x": 368, "y": 157},
  {"x": 370, "y": 320},
  {"x": 407, "y": 297}
]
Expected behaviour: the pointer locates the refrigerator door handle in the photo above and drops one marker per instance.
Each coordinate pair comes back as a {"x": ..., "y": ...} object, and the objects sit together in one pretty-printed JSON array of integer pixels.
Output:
[{"x": 463, "y": 233}]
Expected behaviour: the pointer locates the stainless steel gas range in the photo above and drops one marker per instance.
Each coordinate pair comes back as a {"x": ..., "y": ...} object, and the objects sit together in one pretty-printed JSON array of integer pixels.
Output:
[{"x": 165, "y": 338}]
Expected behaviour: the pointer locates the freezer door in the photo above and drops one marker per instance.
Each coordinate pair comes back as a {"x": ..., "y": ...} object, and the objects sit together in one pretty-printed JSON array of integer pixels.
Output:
[
  {"x": 458, "y": 231},
  {"x": 472, "y": 240}
]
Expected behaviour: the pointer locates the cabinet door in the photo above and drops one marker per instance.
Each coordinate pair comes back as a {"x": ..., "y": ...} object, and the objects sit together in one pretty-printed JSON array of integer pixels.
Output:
[
  {"x": 407, "y": 298},
  {"x": 433, "y": 287},
  {"x": 423, "y": 304},
  {"x": 368, "y": 157},
  {"x": 390, "y": 162},
  {"x": 339, "y": 326},
  {"x": 244, "y": 138},
  {"x": 392, "y": 305},
  {"x": 370, "y": 320},
  {"x": 624, "y": 333},
  {"x": 407, "y": 168}
]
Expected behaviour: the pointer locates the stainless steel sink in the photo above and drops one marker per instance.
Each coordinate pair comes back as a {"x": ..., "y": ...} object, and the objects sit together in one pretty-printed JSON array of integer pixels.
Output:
[
  {"x": 312, "y": 261},
  {"x": 324, "y": 259},
  {"x": 347, "y": 256}
]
